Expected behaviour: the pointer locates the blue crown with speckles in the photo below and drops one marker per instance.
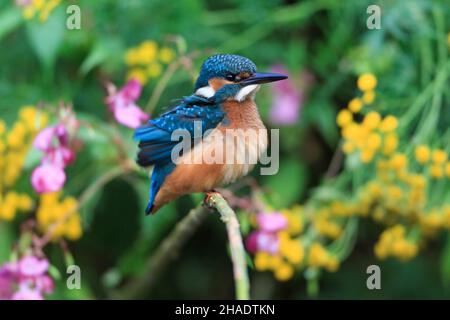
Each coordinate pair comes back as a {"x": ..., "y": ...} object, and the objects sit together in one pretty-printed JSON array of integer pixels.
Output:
[{"x": 219, "y": 65}]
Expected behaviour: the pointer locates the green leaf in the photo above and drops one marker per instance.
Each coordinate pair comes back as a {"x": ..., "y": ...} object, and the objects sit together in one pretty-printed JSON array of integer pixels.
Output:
[
  {"x": 6, "y": 241},
  {"x": 9, "y": 20},
  {"x": 325, "y": 121},
  {"x": 46, "y": 38},
  {"x": 291, "y": 172},
  {"x": 100, "y": 53}
]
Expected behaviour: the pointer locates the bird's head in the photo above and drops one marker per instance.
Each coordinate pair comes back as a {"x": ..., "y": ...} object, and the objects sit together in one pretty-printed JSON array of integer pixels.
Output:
[{"x": 235, "y": 73}]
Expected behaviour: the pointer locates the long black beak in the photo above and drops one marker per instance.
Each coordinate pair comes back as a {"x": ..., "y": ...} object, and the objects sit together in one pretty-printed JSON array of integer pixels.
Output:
[{"x": 263, "y": 77}]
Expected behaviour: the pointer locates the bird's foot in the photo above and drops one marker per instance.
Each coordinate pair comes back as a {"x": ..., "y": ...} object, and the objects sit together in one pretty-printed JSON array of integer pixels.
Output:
[{"x": 208, "y": 202}]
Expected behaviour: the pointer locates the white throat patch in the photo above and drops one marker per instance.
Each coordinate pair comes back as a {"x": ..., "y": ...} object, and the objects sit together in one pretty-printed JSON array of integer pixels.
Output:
[
  {"x": 246, "y": 91},
  {"x": 250, "y": 90},
  {"x": 206, "y": 92}
]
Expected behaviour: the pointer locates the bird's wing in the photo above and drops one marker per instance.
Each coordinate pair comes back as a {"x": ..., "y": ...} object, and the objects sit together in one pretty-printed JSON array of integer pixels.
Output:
[{"x": 155, "y": 138}]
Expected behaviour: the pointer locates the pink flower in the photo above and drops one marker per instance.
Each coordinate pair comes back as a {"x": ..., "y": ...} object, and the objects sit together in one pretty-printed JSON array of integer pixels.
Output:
[
  {"x": 25, "y": 279},
  {"x": 262, "y": 241},
  {"x": 48, "y": 178},
  {"x": 23, "y": 3},
  {"x": 60, "y": 157},
  {"x": 32, "y": 266},
  {"x": 268, "y": 242},
  {"x": 54, "y": 141},
  {"x": 6, "y": 282},
  {"x": 43, "y": 140},
  {"x": 288, "y": 97},
  {"x": 132, "y": 90},
  {"x": 45, "y": 284},
  {"x": 130, "y": 116},
  {"x": 271, "y": 222},
  {"x": 266, "y": 238},
  {"x": 251, "y": 242},
  {"x": 25, "y": 292},
  {"x": 122, "y": 104}
]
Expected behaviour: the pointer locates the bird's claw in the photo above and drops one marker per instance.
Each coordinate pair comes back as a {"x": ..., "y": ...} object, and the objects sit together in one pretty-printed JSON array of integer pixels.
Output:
[{"x": 208, "y": 202}]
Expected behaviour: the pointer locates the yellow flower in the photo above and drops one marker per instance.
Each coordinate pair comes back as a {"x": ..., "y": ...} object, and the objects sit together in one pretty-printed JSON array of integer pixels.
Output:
[
  {"x": 373, "y": 141},
  {"x": 392, "y": 242},
  {"x": 399, "y": 161},
  {"x": 417, "y": 181},
  {"x": 293, "y": 216},
  {"x": 292, "y": 250},
  {"x": 59, "y": 217},
  {"x": 41, "y": 7},
  {"x": 344, "y": 118},
  {"x": 390, "y": 143},
  {"x": 436, "y": 171},
  {"x": 388, "y": 124},
  {"x": 154, "y": 70},
  {"x": 422, "y": 153},
  {"x": 147, "y": 52},
  {"x": 332, "y": 264},
  {"x": 355, "y": 105},
  {"x": 394, "y": 192},
  {"x": 9, "y": 206},
  {"x": 368, "y": 97},
  {"x": 447, "y": 169},
  {"x": 15, "y": 138},
  {"x": 138, "y": 75},
  {"x": 73, "y": 230},
  {"x": 374, "y": 189},
  {"x": 274, "y": 262},
  {"x": 262, "y": 261},
  {"x": 317, "y": 255},
  {"x": 166, "y": 55},
  {"x": 381, "y": 251},
  {"x": 28, "y": 115},
  {"x": 431, "y": 220},
  {"x": 367, "y": 82},
  {"x": 348, "y": 147},
  {"x": 327, "y": 227},
  {"x": 7, "y": 212},
  {"x": 38, "y": 4},
  {"x": 366, "y": 155},
  {"x": 439, "y": 156},
  {"x": 284, "y": 272},
  {"x": 351, "y": 131},
  {"x": 49, "y": 198},
  {"x": 372, "y": 120},
  {"x": 24, "y": 202}
]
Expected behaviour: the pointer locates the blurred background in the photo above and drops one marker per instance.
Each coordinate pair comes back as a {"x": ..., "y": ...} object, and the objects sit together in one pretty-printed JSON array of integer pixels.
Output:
[{"x": 364, "y": 177}]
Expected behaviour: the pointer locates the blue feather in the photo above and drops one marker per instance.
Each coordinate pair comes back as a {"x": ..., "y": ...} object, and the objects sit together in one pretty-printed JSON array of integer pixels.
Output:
[
  {"x": 158, "y": 176},
  {"x": 155, "y": 138}
]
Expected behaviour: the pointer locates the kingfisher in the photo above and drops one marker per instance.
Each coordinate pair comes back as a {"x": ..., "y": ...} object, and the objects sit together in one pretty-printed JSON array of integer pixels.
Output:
[{"x": 223, "y": 99}]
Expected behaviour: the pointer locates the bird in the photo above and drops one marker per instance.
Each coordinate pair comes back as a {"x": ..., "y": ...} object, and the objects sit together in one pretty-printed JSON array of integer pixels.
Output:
[{"x": 223, "y": 100}]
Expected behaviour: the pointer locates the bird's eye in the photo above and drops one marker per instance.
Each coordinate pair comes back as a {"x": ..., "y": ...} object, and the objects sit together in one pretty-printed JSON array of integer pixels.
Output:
[{"x": 230, "y": 77}]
